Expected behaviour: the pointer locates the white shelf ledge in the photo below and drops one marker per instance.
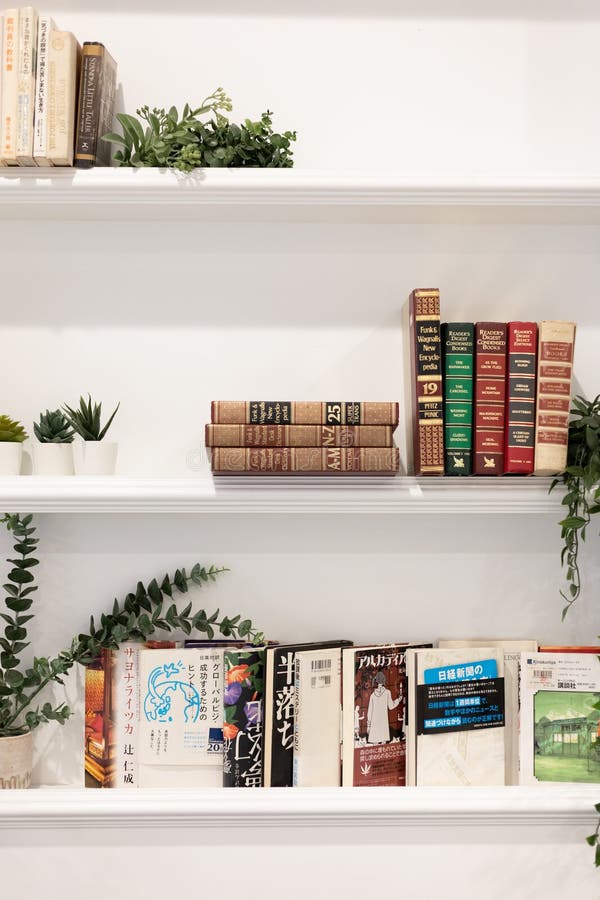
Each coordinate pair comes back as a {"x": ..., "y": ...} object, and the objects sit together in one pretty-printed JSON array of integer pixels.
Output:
[
  {"x": 296, "y": 195},
  {"x": 285, "y": 495},
  {"x": 62, "y": 808}
]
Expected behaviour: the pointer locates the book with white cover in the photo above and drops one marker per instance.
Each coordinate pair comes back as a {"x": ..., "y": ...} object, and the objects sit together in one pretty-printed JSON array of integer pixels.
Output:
[
  {"x": 2, "y": 162},
  {"x": 318, "y": 708},
  {"x": 181, "y": 717},
  {"x": 560, "y": 725},
  {"x": 63, "y": 65},
  {"x": 512, "y": 650},
  {"x": 40, "y": 118},
  {"x": 10, "y": 48},
  {"x": 461, "y": 758},
  {"x": 28, "y": 27}
]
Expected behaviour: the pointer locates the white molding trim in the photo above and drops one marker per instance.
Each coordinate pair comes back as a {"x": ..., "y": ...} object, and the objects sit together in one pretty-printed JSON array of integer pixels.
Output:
[
  {"x": 284, "y": 495},
  {"x": 63, "y": 808},
  {"x": 448, "y": 197}
]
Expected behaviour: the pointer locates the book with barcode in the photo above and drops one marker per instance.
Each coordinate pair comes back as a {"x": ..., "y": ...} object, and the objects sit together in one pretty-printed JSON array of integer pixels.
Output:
[
  {"x": 560, "y": 722},
  {"x": 280, "y": 667},
  {"x": 299, "y": 435},
  {"x": 243, "y": 694},
  {"x": 317, "y": 732},
  {"x": 457, "y": 346},
  {"x": 374, "y": 702},
  {"x": 303, "y": 412}
]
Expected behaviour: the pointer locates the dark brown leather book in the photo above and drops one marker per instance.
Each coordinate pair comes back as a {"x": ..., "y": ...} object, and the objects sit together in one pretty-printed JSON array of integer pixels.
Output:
[
  {"x": 426, "y": 371},
  {"x": 305, "y": 461},
  {"x": 96, "y": 106},
  {"x": 299, "y": 435},
  {"x": 303, "y": 412}
]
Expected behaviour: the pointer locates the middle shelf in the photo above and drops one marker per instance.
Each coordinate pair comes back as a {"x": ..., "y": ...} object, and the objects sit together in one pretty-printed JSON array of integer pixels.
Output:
[{"x": 283, "y": 495}]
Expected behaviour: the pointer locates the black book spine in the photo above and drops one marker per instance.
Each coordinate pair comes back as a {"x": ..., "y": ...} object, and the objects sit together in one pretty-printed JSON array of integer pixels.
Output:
[{"x": 88, "y": 107}]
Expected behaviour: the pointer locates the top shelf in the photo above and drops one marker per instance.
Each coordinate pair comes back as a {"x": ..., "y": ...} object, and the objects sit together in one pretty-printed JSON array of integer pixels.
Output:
[{"x": 297, "y": 195}]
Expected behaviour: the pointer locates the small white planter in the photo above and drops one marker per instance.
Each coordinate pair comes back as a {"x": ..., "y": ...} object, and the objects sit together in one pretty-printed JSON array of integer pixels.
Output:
[
  {"x": 95, "y": 457},
  {"x": 16, "y": 761},
  {"x": 53, "y": 459},
  {"x": 11, "y": 457}
]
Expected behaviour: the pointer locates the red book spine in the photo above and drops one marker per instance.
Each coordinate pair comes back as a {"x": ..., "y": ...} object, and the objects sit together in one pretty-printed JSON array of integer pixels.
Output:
[
  {"x": 490, "y": 397},
  {"x": 519, "y": 443},
  {"x": 426, "y": 369}
]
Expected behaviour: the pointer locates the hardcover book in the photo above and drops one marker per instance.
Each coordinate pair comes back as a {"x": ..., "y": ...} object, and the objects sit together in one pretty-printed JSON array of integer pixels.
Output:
[
  {"x": 26, "y": 69},
  {"x": 40, "y": 119},
  {"x": 243, "y": 718},
  {"x": 374, "y": 701},
  {"x": 280, "y": 668},
  {"x": 457, "y": 345},
  {"x": 10, "y": 52},
  {"x": 472, "y": 752},
  {"x": 299, "y": 435},
  {"x": 63, "y": 67},
  {"x": 305, "y": 460},
  {"x": 520, "y": 404},
  {"x": 490, "y": 397},
  {"x": 303, "y": 412},
  {"x": 426, "y": 373},
  {"x": 560, "y": 724},
  {"x": 317, "y": 732},
  {"x": 512, "y": 657},
  {"x": 554, "y": 376},
  {"x": 96, "y": 106}
]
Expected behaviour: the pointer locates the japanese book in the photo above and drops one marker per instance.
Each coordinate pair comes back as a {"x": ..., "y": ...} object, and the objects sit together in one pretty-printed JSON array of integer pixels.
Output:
[
  {"x": 63, "y": 64},
  {"x": 10, "y": 48},
  {"x": 243, "y": 717},
  {"x": 181, "y": 717},
  {"x": 554, "y": 376},
  {"x": 299, "y": 435},
  {"x": 96, "y": 106},
  {"x": 317, "y": 725},
  {"x": 40, "y": 119},
  {"x": 457, "y": 346},
  {"x": 305, "y": 460},
  {"x": 374, "y": 700},
  {"x": 280, "y": 665},
  {"x": 520, "y": 400},
  {"x": 512, "y": 656},
  {"x": 26, "y": 69},
  {"x": 303, "y": 412},
  {"x": 560, "y": 721},
  {"x": 451, "y": 694},
  {"x": 2, "y": 160},
  {"x": 490, "y": 397},
  {"x": 426, "y": 382}
]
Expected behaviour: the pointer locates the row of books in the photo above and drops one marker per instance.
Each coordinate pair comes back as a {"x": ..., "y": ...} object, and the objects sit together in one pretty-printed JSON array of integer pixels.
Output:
[
  {"x": 302, "y": 437},
  {"x": 57, "y": 100},
  {"x": 467, "y": 712},
  {"x": 488, "y": 398}
]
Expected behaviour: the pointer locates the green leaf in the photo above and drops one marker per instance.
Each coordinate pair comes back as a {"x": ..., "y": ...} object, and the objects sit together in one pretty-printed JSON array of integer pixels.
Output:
[{"x": 20, "y": 576}]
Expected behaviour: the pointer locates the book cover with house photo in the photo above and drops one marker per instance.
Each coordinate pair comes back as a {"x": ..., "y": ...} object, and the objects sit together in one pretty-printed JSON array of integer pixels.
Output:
[{"x": 560, "y": 721}]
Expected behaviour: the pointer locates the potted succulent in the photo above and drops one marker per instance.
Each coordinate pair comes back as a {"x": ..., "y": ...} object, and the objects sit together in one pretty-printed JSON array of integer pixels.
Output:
[
  {"x": 136, "y": 618},
  {"x": 94, "y": 456},
  {"x": 53, "y": 450},
  {"x": 12, "y": 435}
]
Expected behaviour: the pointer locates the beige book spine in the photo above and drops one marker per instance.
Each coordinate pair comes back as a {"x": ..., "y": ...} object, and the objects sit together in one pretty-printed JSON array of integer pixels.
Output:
[
  {"x": 2, "y": 161},
  {"x": 28, "y": 27},
  {"x": 40, "y": 119},
  {"x": 553, "y": 401},
  {"x": 8, "y": 131},
  {"x": 63, "y": 63}
]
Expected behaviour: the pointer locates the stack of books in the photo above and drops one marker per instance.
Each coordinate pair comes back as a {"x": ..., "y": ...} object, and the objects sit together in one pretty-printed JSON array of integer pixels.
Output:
[
  {"x": 488, "y": 398},
  {"x": 57, "y": 100},
  {"x": 260, "y": 437}
]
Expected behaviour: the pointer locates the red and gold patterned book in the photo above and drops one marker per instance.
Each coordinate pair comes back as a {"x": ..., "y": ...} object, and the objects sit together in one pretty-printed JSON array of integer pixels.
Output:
[
  {"x": 490, "y": 397},
  {"x": 299, "y": 435},
  {"x": 555, "y": 369},
  {"x": 305, "y": 460},
  {"x": 303, "y": 412},
  {"x": 426, "y": 369},
  {"x": 520, "y": 402}
]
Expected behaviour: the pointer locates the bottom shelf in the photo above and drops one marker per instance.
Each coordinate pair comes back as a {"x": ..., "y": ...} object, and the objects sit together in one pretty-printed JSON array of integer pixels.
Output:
[{"x": 65, "y": 807}]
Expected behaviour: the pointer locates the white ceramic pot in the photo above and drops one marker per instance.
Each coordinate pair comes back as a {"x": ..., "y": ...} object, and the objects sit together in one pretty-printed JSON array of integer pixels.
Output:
[
  {"x": 53, "y": 459},
  {"x": 11, "y": 457},
  {"x": 16, "y": 761},
  {"x": 95, "y": 457}
]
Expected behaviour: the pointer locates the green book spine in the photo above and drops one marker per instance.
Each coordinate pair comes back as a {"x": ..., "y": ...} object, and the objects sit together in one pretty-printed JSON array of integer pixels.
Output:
[{"x": 457, "y": 344}]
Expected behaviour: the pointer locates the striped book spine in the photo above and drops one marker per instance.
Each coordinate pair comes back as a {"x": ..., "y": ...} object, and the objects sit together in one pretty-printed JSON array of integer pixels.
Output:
[
  {"x": 426, "y": 369},
  {"x": 457, "y": 345},
  {"x": 298, "y": 435},
  {"x": 303, "y": 412},
  {"x": 553, "y": 402},
  {"x": 490, "y": 397},
  {"x": 520, "y": 401},
  {"x": 305, "y": 460}
]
